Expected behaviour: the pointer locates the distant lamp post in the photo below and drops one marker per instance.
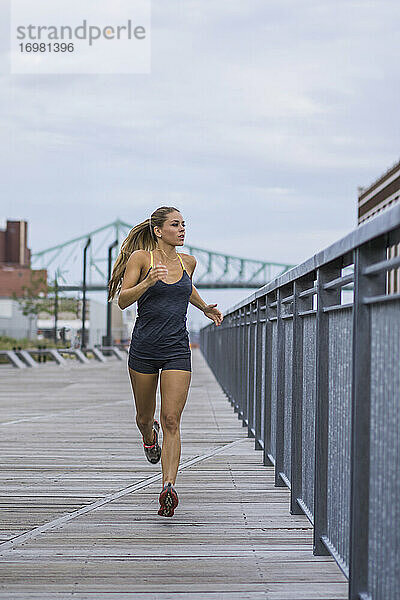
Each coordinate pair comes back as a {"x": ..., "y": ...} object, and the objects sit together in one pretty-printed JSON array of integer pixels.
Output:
[
  {"x": 55, "y": 307},
  {"x": 109, "y": 304},
  {"x": 83, "y": 341}
]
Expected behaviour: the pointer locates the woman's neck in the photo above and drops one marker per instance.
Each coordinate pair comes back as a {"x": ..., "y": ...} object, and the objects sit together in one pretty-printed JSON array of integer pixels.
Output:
[{"x": 169, "y": 252}]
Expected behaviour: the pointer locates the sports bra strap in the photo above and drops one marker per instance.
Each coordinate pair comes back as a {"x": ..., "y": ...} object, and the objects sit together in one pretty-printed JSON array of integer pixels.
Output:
[{"x": 183, "y": 266}]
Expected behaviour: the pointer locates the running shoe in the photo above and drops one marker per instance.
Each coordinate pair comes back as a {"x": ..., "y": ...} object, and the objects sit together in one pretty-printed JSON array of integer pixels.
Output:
[
  {"x": 168, "y": 500},
  {"x": 153, "y": 451}
]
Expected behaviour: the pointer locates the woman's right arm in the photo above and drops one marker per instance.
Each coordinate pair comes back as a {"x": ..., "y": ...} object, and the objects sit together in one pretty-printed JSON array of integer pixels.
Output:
[{"x": 131, "y": 290}]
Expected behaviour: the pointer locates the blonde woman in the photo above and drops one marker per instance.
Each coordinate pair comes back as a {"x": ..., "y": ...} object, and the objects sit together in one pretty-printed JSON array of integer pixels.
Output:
[{"x": 149, "y": 271}]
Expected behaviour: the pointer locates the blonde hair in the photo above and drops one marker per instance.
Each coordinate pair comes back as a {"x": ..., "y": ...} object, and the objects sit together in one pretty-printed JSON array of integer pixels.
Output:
[{"x": 140, "y": 237}]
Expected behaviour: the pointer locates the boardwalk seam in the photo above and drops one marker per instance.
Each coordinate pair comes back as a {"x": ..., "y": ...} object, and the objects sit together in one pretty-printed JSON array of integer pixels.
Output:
[
  {"x": 29, "y": 535},
  {"x": 64, "y": 412}
]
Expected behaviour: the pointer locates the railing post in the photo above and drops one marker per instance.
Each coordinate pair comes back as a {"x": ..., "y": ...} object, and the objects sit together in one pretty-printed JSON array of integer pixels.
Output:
[
  {"x": 299, "y": 304},
  {"x": 325, "y": 298},
  {"x": 246, "y": 345},
  {"x": 364, "y": 286},
  {"x": 259, "y": 372},
  {"x": 242, "y": 365},
  {"x": 280, "y": 392},
  {"x": 251, "y": 369},
  {"x": 236, "y": 375},
  {"x": 225, "y": 362},
  {"x": 232, "y": 343},
  {"x": 267, "y": 459}
]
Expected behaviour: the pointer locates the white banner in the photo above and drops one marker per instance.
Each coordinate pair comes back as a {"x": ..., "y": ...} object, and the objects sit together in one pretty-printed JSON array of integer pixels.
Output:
[{"x": 71, "y": 36}]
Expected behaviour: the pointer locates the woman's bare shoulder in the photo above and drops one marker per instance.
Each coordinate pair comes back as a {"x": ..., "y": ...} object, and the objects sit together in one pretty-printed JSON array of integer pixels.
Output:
[
  {"x": 186, "y": 257},
  {"x": 140, "y": 258},
  {"x": 189, "y": 262},
  {"x": 138, "y": 255}
]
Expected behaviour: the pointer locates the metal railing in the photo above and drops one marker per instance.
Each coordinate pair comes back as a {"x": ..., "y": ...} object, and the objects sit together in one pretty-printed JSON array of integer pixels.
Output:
[{"x": 316, "y": 380}]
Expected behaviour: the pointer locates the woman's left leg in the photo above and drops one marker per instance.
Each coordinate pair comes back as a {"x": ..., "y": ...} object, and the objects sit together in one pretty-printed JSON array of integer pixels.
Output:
[{"x": 174, "y": 387}]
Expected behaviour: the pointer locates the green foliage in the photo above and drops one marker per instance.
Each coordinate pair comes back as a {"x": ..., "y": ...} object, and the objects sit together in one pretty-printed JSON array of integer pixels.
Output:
[
  {"x": 8, "y": 343},
  {"x": 31, "y": 301},
  {"x": 65, "y": 304},
  {"x": 34, "y": 301}
]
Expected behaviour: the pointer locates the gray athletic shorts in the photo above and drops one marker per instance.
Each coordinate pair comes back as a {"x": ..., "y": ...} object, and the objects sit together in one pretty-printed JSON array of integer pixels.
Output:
[{"x": 152, "y": 366}]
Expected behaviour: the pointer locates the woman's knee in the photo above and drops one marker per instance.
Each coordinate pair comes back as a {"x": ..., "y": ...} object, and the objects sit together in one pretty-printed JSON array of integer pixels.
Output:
[
  {"x": 170, "y": 422},
  {"x": 144, "y": 420}
]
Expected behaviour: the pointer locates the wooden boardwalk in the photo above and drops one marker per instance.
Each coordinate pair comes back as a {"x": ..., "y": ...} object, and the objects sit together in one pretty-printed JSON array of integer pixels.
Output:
[{"x": 79, "y": 501}]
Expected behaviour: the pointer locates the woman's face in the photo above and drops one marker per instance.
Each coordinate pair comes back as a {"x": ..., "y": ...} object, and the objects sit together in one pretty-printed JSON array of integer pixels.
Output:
[{"x": 173, "y": 230}]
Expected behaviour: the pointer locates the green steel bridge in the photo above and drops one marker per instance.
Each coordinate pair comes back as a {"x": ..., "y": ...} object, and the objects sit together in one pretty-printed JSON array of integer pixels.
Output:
[{"x": 214, "y": 269}]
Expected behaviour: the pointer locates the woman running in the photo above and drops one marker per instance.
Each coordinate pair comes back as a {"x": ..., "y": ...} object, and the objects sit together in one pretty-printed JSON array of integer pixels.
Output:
[{"x": 150, "y": 271}]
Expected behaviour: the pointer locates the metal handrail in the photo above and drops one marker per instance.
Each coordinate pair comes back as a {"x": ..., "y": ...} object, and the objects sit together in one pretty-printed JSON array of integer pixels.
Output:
[{"x": 316, "y": 381}]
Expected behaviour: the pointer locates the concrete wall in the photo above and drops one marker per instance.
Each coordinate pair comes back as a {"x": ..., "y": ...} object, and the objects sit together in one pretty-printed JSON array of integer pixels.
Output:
[
  {"x": 97, "y": 322},
  {"x": 13, "y": 323}
]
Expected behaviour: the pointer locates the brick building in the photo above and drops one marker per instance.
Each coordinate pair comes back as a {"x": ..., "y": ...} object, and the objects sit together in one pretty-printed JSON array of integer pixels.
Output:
[
  {"x": 380, "y": 195},
  {"x": 15, "y": 273},
  {"x": 15, "y": 261}
]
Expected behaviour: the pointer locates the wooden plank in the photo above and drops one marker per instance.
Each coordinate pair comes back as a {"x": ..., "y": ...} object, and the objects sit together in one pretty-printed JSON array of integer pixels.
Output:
[{"x": 74, "y": 468}]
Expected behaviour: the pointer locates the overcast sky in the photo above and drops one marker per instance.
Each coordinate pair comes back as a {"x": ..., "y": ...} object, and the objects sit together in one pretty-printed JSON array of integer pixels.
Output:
[{"x": 259, "y": 119}]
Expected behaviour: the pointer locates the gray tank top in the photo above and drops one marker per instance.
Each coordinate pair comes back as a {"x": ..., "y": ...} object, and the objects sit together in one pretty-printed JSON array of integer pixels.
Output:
[{"x": 160, "y": 327}]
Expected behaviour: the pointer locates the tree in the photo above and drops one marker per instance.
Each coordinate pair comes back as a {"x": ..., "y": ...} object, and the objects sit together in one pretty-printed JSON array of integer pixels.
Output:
[
  {"x": 31, "y": 301},
  {"x": 35, "y": 300}
]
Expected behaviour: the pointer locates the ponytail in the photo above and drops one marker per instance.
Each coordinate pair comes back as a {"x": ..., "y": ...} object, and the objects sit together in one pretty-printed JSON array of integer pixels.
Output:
[{"x": 140, "y": 237}]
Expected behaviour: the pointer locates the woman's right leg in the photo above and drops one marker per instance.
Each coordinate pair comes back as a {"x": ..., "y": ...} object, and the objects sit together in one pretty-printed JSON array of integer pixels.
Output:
[{"x": 144, "y": 387}]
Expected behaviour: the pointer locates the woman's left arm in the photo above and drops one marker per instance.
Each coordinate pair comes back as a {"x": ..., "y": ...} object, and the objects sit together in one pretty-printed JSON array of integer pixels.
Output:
[{"x": 209, "y": 310}]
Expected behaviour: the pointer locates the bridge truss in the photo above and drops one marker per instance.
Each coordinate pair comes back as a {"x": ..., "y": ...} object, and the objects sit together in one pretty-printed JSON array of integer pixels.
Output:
[{"x": 214, "y": 269}]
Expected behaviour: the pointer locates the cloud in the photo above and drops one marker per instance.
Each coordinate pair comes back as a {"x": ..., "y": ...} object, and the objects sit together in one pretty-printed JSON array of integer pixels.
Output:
[{"x": 254, "y": 113}]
